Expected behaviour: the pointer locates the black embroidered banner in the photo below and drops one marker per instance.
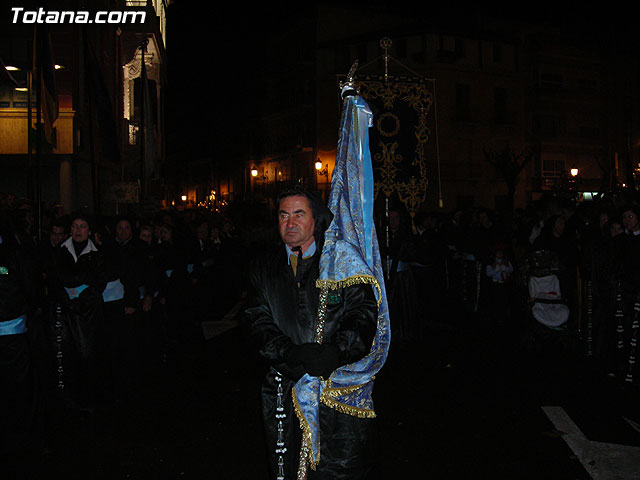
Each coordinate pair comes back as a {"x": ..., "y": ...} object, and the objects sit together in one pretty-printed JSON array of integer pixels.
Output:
[{"x": 403, "y": 137}]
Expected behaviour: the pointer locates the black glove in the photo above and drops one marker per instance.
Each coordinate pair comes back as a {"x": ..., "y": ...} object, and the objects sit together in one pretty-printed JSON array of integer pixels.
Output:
[
  {"x": 300, "y": 354},
  {"x": 324, "y": 362}
]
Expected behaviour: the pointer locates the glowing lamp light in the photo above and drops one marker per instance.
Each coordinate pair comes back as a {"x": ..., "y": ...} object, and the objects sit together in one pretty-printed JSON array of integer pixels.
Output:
[
  {"x": 318, "y": 165},
  {"x": 11, "y": 68},
  {"x": 58, "y": 67},
  {"x": 21, "y": 89},
  {"x": 254, "y": 172},
  {"x": 183, "y": 198},
  {"x": 574, "y": 172}
]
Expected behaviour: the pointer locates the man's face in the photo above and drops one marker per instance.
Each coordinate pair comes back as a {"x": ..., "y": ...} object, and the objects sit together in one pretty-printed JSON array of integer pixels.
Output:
[
  {"x": 80, "y": 230},
  {"x": 123, "y": 231},
  {"x": 56, "y": 236},
  {"x": 616, "y": 229},
  {"x": 145, "y": 236},
  {"x": 165, "y": 234},
  {"x": 296, "y": 222},
  {"x": 630, "y": 220}
]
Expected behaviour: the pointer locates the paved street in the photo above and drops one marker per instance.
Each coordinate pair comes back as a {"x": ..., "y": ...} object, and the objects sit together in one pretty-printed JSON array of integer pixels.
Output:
[{"x": 463, "y": 402}]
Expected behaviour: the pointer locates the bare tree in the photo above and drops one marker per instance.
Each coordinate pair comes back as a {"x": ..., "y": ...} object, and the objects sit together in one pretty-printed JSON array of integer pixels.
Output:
[{"x": 509, "y": 166}]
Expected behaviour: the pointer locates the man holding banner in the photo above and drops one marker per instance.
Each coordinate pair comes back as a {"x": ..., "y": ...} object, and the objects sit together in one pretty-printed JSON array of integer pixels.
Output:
[{"x": 320, "y": 318}]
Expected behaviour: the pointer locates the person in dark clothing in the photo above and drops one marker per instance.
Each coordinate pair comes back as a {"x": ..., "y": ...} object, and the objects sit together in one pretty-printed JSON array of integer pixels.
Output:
[
  {"x": 430, "y": 272},
  {"x": 171, "y": 261},
  {"x": 20, "y": 400},
  {"x": 556, "y": 239},
  {"x": 57, "y": 235},
  {"x": 399, "y": 256},
  {"x": 122, "y": 305},
  {"x": 206, "y": 259},
  {"x": 605, "y": 254},
  {"x": 280, "y": 318},
  {"x": 630, "y": 285},
  {"x": 152, "y": 313},
  {"x": 77, "y": 279},
  {"x": 484, "y": 236}
]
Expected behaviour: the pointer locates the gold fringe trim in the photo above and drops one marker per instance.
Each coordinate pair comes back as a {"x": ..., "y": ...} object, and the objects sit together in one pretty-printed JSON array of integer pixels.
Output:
[
  {"x": 349, "y": 281},
  {"x": 306, "y": 447},
  {"x": 348, "y": 409},
  {"x": 344, "y": 390}
]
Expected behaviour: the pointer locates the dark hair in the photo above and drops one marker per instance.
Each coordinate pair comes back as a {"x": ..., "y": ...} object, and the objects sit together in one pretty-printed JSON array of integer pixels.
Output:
[
  {"x": 62, "y": 222},
  {"x": 121, "y": 218},
  {"x": 300, "y": 191},
  {"x": 631, "y": 207},
  {"x": 82, "y": 215},
  {"x": 322, "y": 216}
]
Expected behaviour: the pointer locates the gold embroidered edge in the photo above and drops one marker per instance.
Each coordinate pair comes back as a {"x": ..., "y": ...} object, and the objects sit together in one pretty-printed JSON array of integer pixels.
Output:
[
  {"x": 348, "y": 409},
  {"x": 333, "y": 391},
  {"x": 307, "y": 444},
  {"x": 353, "y": 280}
]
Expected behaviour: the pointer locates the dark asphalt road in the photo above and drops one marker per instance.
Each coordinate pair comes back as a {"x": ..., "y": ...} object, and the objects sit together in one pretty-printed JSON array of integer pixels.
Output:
[{"x": 464, "y": 402}]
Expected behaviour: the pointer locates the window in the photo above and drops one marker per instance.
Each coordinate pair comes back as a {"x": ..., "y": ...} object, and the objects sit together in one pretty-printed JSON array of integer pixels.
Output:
[
  {"x": 552, "y": 166},
  {"x": 587, "y": 83},
  {"x": 138, "y": 100},
  {"x": 589, "y": 132},
  {"x": 463, "y": 102},
  {"x": 497, "y": 53},
  {"x": 459, "y": 46},
  {"x": 549, "y": 125},
  {"x": 464, "y": 158},
  {"x": 551, "y": 80},
  {"x": 500, "y": 105}
]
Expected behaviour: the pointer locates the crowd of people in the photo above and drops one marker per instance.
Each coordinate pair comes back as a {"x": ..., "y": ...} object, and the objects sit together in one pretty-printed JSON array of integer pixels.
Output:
[
  {"x": 475, "y": 263},
  {"x": 96, "y": 299},
  {"x": 96, "y": 304}
]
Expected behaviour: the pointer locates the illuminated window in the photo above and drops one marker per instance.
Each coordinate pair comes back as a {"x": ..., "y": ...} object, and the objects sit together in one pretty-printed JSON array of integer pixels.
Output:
[
  {"x": 133, "y": 133},
  {"x": 553, "y": 166}
]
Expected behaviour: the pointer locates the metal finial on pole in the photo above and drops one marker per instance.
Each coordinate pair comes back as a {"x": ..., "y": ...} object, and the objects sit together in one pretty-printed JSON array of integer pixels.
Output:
[
  {"x": 386, "y": 43},
  {"x": 348, "y": 87},
  {"x": 352, "y": 72}
]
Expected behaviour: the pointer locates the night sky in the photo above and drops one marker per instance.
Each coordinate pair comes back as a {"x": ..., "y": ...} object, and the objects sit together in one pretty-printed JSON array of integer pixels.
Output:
[{"x": 214, "y": 55}]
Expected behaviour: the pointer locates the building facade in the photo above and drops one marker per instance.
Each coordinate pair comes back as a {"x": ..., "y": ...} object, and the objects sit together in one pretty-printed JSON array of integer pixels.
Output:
[
  {"x": 541, "y": 100},
  {"x": 101, "y": 157}
]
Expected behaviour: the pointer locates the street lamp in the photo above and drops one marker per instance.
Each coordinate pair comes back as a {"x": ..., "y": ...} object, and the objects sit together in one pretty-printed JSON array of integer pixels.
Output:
[
  {"x": 322, "y": 171},
  {"x": 254, "y": 172}
]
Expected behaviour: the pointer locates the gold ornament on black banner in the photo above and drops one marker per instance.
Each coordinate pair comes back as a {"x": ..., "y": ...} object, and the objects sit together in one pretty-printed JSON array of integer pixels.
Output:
[{"x": 402, "y": 108}]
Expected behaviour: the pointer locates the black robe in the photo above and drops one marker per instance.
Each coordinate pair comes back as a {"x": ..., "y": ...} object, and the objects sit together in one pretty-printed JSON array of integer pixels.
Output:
[
  {"x": 281, "y": 314},
  {"x": 20, "y": 406},
  {"x": 82, "y": 334}
]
